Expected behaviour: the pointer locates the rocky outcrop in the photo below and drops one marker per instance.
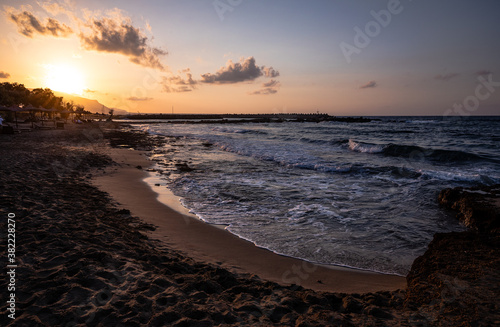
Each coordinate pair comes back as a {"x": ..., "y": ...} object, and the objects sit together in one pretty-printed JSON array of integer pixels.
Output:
[
  {"x": 456, "y": 281},
  {"x": 477, "y": 208}
]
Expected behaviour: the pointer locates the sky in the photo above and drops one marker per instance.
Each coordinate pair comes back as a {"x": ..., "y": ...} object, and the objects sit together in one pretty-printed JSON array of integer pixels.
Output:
[{"x": 344, "y": 58}]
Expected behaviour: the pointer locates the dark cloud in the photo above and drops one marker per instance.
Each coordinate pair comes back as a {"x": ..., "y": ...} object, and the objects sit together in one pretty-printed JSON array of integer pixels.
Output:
[
  {"x": 446, "y": 77},
  {"x": 177, "y": 84},
  {"x": 245, "y": 70},
  {"x": 4, "y": 75},
  {"x": 483, "y": 72},
  {"x": 370, "y": 84},
  {"x": 139, "y": 99},
  {"x": 107, "y": 35},
  {"x": 270, "y": 87},
  {"x": 28, "y": 25}
]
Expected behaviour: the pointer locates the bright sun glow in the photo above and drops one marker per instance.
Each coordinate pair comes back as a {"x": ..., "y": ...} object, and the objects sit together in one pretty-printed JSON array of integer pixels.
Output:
[{"x": 64, "y": 78}]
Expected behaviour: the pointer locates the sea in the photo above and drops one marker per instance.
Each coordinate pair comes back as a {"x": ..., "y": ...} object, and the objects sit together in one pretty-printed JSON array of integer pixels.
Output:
[{"x": 359, "y": 195}]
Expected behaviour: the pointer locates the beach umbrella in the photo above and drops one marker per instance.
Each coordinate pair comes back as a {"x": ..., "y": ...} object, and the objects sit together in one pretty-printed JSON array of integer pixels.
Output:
[
  {"x": 65, "y": 112},
  {"x": 33, "y": 110},
  {"x": 51, "y": 111},
  {"x": 3, "y": 108},
  {"x": 13, "y": 109},
  {"x": 39, "y": 109}
]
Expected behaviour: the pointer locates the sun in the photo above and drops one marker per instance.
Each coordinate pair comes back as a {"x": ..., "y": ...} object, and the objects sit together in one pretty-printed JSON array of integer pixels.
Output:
[{"x": 64, "y": 78}]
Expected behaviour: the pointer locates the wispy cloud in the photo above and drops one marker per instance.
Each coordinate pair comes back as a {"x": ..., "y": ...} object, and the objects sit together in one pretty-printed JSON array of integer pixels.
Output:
[
  {"x": 139, "y": 99},
  {"x": 178, "y": 84},
  {"x": 245, "y": 70},
  {"x": 271, "y": 83},
  {"x": 120, "y": 36},
  {"x": 265, "y": 91},
  {"x": 270, "y": 87},
  {"x": 29, "y": 25},
  {"x": 55, "y": 8},
  {"x": 370, "y": 84},
  {"x": 446, "y": 77},
  {"x": 4, "y": 74}
]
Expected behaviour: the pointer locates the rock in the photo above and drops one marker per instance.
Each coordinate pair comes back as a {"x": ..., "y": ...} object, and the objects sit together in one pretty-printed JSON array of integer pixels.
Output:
[
  {"x": 455, "y": 282},
  {"x": 377, "y": 312},
  {"x": 478, "y": 208},
  {"x": 183, "y": 167},
  {"x": 350, "y": 304},
  {"x": 458, "y": 275}
]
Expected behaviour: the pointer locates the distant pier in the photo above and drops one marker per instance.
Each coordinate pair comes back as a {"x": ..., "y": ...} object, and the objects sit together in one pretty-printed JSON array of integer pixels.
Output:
[{"x": 243, "y": 118}]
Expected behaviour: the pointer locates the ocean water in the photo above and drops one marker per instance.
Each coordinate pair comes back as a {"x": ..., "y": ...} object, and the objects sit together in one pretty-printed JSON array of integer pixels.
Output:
[{"x": 361, "y": 195}]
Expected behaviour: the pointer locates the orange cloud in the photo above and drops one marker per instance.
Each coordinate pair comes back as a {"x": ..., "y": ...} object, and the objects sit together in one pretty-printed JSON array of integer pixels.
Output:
[
  {"x": 108, "y": 35},
  {"x": 28, "y": 25}
]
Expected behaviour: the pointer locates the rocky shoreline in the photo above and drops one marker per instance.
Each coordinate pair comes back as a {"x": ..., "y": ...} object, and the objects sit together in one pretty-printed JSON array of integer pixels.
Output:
[
  {"x": 457, "y": 280},
  {"x": 84, "y": 262}
]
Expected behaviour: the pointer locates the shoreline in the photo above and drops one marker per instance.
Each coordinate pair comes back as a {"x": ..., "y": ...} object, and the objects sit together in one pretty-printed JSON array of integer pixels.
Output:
[
  {"x": 83, "y": 260},
  {"x": 169, "y": 199},
  {"x": 207, "y": 243}
]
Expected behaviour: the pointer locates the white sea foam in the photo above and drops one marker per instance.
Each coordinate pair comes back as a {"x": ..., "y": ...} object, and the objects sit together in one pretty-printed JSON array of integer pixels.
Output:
[{"x": 365, "y": 148}]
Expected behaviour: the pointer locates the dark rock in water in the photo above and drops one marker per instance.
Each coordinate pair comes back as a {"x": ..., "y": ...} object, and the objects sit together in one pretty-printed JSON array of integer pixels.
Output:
[
  {"x": 183, "y": 167},
  {"x": 478, "y": 208}
]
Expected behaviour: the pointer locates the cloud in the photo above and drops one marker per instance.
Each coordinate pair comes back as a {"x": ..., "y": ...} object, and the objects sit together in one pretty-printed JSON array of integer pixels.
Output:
[
  {"x": 28, "y": 25},
  {"x": 265, "y": 91},
  {"x": 4, "y": 74},
  {"x": 177, "y": 84},
  {"x": 446, "y": 77},
  {"x": 55, "y": 8},
  {"x": 245, "y": 70},
  {"x": 270, "y": 87},
  {"x": 370, "y": 84},
  {"x": 271, "y": 83},
  {"x": 119, "y": 36},
  {"x": 483, "y": 72},
  {"x": 139, "y": 99},
  {"x": 270, "y": 72}
]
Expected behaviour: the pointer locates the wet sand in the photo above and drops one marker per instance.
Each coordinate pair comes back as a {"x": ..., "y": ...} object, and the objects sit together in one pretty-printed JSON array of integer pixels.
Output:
[{"x": 210, "y": 244}]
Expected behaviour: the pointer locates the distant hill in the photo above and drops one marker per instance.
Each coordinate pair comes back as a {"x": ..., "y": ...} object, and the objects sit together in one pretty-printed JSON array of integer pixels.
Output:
[{"x": 89, "y": 104}]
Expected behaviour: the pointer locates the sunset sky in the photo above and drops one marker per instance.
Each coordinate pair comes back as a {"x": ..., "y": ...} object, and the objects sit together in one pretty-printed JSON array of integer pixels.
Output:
[{"x": 259, "y": 56}]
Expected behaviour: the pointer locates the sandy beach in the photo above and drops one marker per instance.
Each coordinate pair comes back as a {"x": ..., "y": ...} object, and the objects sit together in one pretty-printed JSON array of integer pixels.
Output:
[{"x": 94, "y": 247}]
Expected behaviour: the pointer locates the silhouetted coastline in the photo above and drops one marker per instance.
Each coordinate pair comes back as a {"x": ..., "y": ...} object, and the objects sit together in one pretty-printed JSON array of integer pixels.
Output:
[{"x": 242, "y": 118}]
